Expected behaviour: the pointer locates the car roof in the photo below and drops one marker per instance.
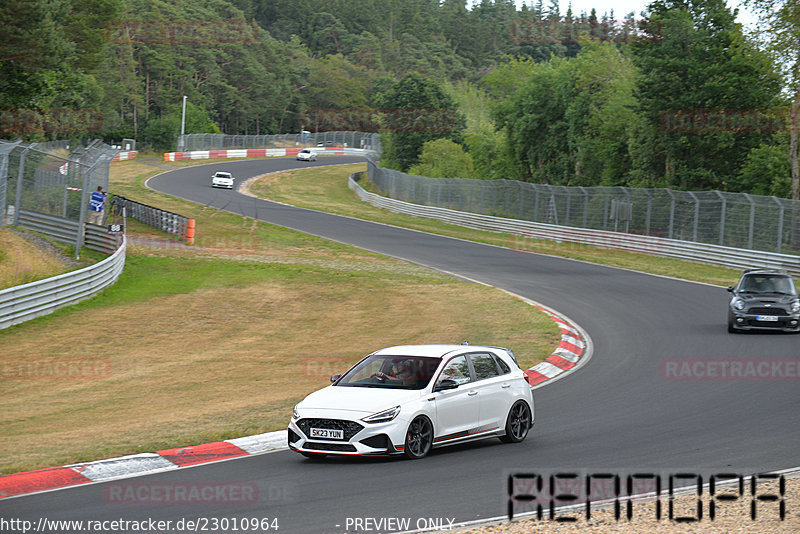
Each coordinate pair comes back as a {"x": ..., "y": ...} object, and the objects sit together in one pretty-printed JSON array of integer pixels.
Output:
[{"x": 433, "y": 351}]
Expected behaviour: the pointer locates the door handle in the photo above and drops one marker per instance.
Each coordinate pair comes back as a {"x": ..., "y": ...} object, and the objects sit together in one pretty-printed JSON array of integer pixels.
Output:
[
  {"x": 472, "y": 393},
  {"x": 506, "y": 386}
]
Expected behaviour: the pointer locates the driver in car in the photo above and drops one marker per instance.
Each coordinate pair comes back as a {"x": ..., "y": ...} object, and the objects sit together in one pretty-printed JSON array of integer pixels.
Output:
[{"x": 404, "y": 372}]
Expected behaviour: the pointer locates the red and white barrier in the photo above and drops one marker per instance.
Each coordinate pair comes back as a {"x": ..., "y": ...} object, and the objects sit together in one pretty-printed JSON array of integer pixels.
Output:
[
  {"x": 258, "y": 153},
  {"x": 125, "y": 155}
]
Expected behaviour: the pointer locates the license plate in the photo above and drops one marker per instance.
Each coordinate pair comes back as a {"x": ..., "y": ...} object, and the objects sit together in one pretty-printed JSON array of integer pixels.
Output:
[
  {"x": 767, "y": 318},
  {"x": 327, "y": 433}
]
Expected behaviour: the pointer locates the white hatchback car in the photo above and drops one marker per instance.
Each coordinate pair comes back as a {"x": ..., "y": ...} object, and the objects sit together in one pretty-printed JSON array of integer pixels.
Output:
[
  {"x": 222, "y": 179},
  {"x": 410, "y": 399},
  {"x": 306, "y": 155}
]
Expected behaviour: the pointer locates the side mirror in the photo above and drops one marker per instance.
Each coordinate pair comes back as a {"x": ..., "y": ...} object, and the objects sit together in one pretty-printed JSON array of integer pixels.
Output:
[
  {"x": 730, "y": 289},
  {"x": 445, "y": 384},
  {"x": 334, "y": 378}
]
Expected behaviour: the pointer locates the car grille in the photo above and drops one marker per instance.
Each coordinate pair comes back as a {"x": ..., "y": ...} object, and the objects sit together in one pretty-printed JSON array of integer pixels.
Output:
[
  {"x": 340, "y": 447},
  {"x": 351, "y": 428},
  {"x": 781, "y": 323},
  {"x": 767, "y": 311}
]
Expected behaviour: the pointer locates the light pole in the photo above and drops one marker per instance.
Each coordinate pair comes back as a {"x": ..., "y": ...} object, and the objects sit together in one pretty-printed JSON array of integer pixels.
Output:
[{"x": 183, "y": 116}]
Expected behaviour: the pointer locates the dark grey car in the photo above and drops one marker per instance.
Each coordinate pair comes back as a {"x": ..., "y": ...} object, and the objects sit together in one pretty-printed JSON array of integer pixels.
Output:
[{"x": 764, "y": 299}]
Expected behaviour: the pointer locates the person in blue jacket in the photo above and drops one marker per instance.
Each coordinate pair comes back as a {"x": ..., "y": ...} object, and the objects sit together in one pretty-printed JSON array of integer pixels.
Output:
[{"x": 96, "y": 205}]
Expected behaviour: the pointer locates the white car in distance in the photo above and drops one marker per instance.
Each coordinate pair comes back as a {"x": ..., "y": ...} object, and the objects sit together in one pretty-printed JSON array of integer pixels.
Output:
[
  {"x": 306, "y": 155},
  {"x": 410, "y": 399},
  {"x": 222, "y": 179}
]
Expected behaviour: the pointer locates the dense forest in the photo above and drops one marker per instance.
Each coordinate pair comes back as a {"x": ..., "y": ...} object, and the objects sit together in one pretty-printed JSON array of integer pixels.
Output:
[{"x": 678, "y": 96}]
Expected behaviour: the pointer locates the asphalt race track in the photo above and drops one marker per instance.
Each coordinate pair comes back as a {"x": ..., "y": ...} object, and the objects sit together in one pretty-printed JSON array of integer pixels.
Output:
[{"x": 622, "y": 412}]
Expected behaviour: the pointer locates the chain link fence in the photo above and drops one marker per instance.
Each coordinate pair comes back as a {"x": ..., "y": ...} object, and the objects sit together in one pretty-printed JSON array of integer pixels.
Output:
[
  {"x": 729, "y": 219},
  {"x": 735, "y": 220},
  {"x": 51, "y": 179},
  {"x": 189, "y": 142}
]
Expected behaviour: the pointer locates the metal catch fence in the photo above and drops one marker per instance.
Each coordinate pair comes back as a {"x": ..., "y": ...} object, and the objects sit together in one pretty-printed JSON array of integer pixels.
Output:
[
  {"x": 738, "y": 220},
  {"x": 366, "y": 140},
  {"x": 47, "y": 180}
]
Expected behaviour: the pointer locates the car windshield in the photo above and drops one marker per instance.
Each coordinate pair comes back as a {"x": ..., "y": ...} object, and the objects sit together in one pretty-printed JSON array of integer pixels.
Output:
[
  {"x": 386, "y": 371},
  {"x": 223, "y": 175},
  {"x": 768, "y": 283}
]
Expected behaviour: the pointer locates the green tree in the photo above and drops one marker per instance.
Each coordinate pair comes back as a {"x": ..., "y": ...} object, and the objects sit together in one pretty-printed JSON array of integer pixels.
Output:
[
  {"x": 416, "y": 110},
  {"x": 694, "y": 58},
  {"x": 442, "y": 158},
  {"x": 600, "y": 114},
  {"x": 161, "y": 133},
  {"x": 534, "y": 120},
  {"x": 49, "y": 52},
  {"x": 782, "y": 20},
  {"x": 766, "y": 170}
]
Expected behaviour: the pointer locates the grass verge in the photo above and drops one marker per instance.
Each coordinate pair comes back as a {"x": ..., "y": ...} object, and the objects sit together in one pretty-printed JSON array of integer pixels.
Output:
[
  {"x": 21, "y": 263},
  {"x": 219, "y": 340},
  {"x": 326, "y": 190}
]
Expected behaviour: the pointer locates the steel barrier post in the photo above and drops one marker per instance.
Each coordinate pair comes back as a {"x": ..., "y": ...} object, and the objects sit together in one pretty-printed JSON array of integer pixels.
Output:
[
  {"x": 5, "y": 154},
  {"x": 752, "y": 220},
  {"x": 671, "y": 212},
  {"x": 780, "y": 222},
  {"x": 722, "y": 217},
  {"x": 18, "y": 197},
  {"x": 696, "y": 215},
  {"x": 585, "y": 205}
]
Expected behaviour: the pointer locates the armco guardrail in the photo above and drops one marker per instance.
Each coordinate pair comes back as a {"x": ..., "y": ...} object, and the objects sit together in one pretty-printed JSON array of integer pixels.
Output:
[
  {"x": 171, "y": 223},
  {"x": 66, "y": 231},
  {"x": 23, "y": 303},
  {"x": 686, "y": 250}
]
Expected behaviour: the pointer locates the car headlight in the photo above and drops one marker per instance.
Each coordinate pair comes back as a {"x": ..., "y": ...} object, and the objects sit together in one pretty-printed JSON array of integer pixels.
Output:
[
  {"x": 738, "y": 304},
  {"x": 382, "y": 417},
  {"x": 796, "y": 306}
]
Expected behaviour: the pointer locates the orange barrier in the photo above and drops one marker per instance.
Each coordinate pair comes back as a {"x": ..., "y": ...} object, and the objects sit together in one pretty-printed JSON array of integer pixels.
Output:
[{"x": 190, "y": 231}]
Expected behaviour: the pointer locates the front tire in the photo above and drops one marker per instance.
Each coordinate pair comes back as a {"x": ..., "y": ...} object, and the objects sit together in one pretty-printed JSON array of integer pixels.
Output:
[
  {"x": 518, "y": 423},
  {"x": 419, "y": 438}
]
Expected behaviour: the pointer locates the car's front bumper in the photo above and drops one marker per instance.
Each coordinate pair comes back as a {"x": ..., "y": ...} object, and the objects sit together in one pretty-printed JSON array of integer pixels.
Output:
[
  {"x": 222, "y": 185},
  {"x": 747, "y": 321},
  {"x": 360, "y": 439}
]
